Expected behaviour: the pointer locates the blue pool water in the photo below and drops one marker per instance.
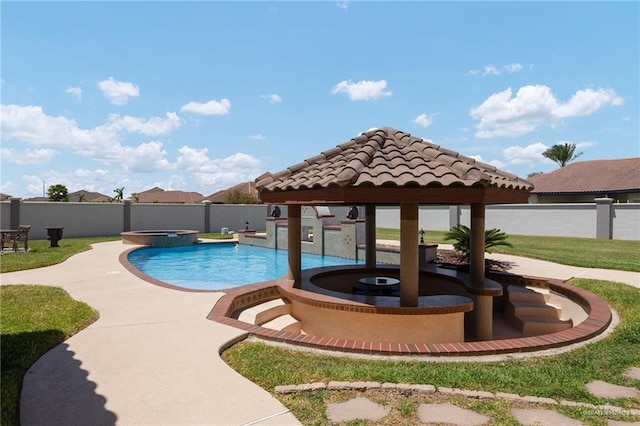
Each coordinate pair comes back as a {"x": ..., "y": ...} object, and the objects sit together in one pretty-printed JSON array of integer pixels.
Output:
[{"x": 221, "y": 265}]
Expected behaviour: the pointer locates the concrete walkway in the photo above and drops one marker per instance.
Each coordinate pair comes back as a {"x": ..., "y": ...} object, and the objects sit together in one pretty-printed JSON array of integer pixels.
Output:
[{"x": 153, "y": 358}]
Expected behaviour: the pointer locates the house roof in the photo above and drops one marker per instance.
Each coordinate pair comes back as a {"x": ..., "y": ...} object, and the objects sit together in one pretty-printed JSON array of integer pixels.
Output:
[
  {"x": 173, "y": 197},
  {"x": 248, "y": 188},
  {"x": 88, "y": 196},
  {"x": 596, "y": 176},
  {"x": 387, "y": 159}
]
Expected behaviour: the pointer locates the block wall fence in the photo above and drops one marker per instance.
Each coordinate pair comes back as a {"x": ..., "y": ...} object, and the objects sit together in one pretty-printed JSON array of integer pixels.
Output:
[{"x": 600, "y": 219}]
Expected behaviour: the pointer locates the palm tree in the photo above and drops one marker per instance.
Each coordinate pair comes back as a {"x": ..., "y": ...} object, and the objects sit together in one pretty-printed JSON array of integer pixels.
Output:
[
  {"x": 119, "y": 194},
  {"x": 562, "y": 153}
]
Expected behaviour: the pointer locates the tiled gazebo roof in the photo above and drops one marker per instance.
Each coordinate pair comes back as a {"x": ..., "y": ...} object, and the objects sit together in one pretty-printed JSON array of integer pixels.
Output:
[{"x": 390, "y": 166}]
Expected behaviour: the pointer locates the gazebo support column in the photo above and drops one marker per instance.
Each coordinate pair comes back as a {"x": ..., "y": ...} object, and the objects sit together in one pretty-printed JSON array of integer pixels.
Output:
[
  {"x": 409, "y": 268},
  {"x": 294, "y": 245},
  {"x": 483, "y": 309},
  {"x": 370, "y": 235}
]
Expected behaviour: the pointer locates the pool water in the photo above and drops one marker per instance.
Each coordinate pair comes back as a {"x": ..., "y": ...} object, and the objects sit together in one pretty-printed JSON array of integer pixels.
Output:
[{"x": 219, "y": 266}]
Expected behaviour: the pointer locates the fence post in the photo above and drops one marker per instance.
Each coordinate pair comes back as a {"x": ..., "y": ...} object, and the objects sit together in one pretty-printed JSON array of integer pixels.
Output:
[
  {"x": 604, "y": 218},
  {"x": 454, "y": 216},
  {"x": 15, "y": 212},
  {"x": 207, "y": 215},
  {"x": 126, "y": 216}
]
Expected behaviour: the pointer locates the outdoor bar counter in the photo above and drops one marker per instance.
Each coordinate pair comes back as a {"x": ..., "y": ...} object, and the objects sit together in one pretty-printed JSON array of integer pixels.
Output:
[{"x": 324, "y": 302}]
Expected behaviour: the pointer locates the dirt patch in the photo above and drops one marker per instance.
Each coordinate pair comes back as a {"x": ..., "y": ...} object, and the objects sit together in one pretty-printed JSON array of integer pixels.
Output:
[{"x": 456, "y": 260}]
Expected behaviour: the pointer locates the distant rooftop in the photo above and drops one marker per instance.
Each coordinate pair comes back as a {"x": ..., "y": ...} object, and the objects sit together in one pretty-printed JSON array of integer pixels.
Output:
[{"x": 596, "y": 176}]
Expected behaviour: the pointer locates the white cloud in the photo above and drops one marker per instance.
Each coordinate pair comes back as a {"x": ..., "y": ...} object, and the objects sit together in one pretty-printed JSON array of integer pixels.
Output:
[
  {"x": 362, "y": 90},
  {"x": 154, "y": 126},
  {"x": 342, "y": 4},
  {"x": 212, "y": 107},
  {"x": 118, "y": 92},
  {"x": 585, "y": 102},
  {"x": 31, "y": 125},
  {"x": 257, "y": 137},
  {"x": 494, "y": 70},
  {"x": 76, "y": 92},
  {"x": 512, "y": 68},
  {"x": 273, "y": 98},
  {"x": 503, "y": 115},
  {"x": 530, "y": 154},
  {"x": 145, "y": 158},
  {"x": 217, "y": 172},
  {"x": 28, "y": 156},
  {"x": 496, "y": 163},
  {"x": 490, "y": 69},
  {"x": 424, "y": 120}
]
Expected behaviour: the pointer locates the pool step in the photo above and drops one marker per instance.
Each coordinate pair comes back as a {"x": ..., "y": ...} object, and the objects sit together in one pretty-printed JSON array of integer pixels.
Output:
[
  {"x": 274, "y": 314},
  {"x": 264, "y": 312},
  {"x": 284, "y": 323},
  {"x": 532, "y": 312}
]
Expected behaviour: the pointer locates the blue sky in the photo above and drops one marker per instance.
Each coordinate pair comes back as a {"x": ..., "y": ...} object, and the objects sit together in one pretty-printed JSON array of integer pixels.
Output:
[{"x": 199, "y": 96}]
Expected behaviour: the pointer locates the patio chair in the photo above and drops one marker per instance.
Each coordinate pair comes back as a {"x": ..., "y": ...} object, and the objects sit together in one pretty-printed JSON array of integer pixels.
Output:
[{"x": 15, "y": 236}]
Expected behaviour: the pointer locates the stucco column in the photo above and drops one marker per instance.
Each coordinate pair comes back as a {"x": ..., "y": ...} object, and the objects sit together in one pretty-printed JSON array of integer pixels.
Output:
[
  {"x": 126, "y": 216},
  {"x": 604, "y": 218},
  {"x": 476, "y": 257},
  {"x": 409, "y": 271},
  {"x": 14, "y": 212},
  {"x": 207, "y": 215},
  {"x": 370, "y": 235},
  {"x": 293, "y": 242},
  {"x": 483, "y": 305}
]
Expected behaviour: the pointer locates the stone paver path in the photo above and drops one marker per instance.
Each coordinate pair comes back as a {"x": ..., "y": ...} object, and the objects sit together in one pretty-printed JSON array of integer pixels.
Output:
[
  {"x": 540, "y": 416},
  {"x": 356, "y": 408},
  {"x": 446, "y": 413},
  {"x": 608, "y": 390},
  {"x": 633, "y": 373},
  {"x": 450, "y": 414}
]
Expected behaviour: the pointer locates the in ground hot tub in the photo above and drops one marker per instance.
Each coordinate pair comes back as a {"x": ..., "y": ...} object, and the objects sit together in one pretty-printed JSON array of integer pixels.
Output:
[{"x": 160, "y": 238}]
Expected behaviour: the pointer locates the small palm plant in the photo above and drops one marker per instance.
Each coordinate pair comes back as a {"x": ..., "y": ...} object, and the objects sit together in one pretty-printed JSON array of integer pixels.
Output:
[{"x": 461, "y": 234}]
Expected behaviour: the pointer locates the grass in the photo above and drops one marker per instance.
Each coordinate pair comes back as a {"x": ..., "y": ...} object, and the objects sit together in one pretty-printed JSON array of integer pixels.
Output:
[
  {"x": 34, "y": 319},
  {"x": 584, "y": 252},
  {"x": 562, "y": 377},
  {"x": 40, "y": 253}
]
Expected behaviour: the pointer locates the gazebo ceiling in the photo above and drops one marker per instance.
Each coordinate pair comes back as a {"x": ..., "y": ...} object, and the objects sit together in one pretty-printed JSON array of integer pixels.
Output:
[{"x": 388, "y": 166}]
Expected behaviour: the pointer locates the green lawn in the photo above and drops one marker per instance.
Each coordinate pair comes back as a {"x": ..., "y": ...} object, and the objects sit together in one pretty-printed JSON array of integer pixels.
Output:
[
  {"x": 621, "y": 255},
  {"x": 34, "y": 319},
  {"x": 41, "y": 254}
]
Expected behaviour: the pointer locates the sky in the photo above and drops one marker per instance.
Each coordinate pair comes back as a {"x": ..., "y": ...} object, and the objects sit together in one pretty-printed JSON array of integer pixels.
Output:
[{"x": 200, "y": 96}]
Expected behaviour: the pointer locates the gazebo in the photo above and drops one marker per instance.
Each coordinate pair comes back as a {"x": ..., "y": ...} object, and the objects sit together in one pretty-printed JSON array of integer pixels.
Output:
[{"x": 389, "y": 167}]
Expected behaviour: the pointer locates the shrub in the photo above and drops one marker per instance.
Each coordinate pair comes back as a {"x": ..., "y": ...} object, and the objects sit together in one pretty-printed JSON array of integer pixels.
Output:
[{"x": 461, "y": 234}]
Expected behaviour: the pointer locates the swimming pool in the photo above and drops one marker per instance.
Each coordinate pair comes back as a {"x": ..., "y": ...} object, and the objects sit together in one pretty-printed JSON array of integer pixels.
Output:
[{"x": 218, "y": 266}]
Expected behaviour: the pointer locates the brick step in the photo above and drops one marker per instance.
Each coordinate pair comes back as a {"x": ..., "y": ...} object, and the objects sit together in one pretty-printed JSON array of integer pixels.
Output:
[
  {"x": 528, "y": 294},
  {"x": 527, "y": 309},
  {"x": 284, "y": 323},
  {"x": 265, "y": 312},
  {"x": 530, "y": 326}
]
